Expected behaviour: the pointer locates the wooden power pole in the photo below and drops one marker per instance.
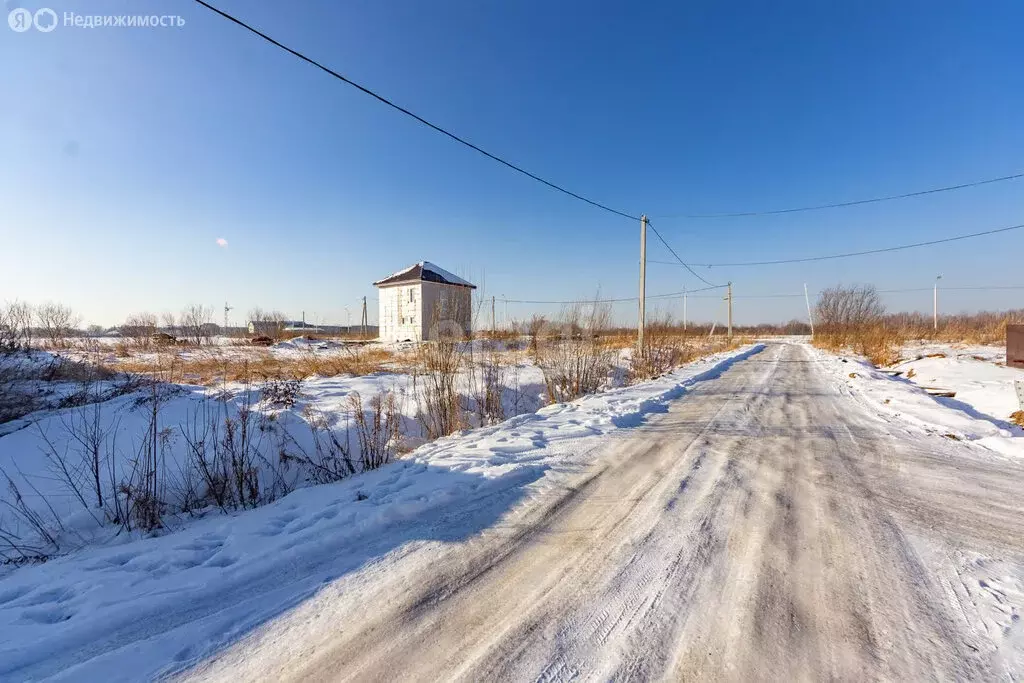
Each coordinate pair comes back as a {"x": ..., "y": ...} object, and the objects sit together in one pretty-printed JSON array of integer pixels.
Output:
[
  {"x": 643, "y": 285},
  {"x": 492, "y": 316}
]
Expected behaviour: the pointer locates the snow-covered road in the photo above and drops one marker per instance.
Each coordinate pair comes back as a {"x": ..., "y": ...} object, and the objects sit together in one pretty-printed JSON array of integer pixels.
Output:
[{"x": 768, "y": 525}]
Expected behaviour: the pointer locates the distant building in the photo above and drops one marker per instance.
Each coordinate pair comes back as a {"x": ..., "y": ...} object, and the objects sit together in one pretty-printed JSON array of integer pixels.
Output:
[
  {"x": 424, "y": 302},
  {"x": 272, "y": 327},
  {"x": 299, "y": 326},
  {"x": 266, "y": 327}
]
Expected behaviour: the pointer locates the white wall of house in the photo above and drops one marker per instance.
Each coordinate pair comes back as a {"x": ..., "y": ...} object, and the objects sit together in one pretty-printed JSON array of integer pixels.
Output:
[
  {"x": 400, "y": 312},
  {"x": 408, "y": 311}
]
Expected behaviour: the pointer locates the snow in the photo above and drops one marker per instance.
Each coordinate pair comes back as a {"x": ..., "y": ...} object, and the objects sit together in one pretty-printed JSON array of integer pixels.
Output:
[
  {"x": 977, "y": 418},
  {"x": 437, "y": 270},
  {"x": 134, "y": 608},
  {"x": 37, "y": 380},
  {"x": 433, "y": 268},
  {"x": 977, "y": 374},
  {"x": 978, "y": 414}
]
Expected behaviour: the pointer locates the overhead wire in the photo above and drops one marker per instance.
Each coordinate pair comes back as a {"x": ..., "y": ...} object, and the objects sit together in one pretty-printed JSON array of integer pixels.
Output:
[
  {"x": 623, "y": 214},
  {"x": 407, "y": 112},
  {"x": 608, "y": 301},
  {"x": 866, "y": 252},
  {"x": 683, "y": 263},
  {"x": 856, "y": 202}
]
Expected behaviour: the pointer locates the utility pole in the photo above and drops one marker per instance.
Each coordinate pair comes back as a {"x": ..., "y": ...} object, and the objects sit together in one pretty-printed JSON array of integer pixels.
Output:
[
  {"x": 492, "y": 315},
  {"x": 364, "y": 321},
  {"x": 684, "y": 309},
  {"x": 643, "y": 284},
  {"x": 729, "y": 299},
  {"x": 810, "y": 318},
  {"x": 935, "y": 305}
]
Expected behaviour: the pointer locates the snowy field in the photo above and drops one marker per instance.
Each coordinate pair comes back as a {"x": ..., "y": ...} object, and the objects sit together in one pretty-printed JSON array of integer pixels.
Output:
[{"x": 121, "y": 607}]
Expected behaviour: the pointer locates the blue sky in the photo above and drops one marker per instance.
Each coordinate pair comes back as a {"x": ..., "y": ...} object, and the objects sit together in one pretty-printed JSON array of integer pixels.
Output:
[{"x": 125, "y": 153}]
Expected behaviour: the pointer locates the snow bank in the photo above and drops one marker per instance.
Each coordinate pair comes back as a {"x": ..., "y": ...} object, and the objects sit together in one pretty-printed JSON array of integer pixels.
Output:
[
  {"x": 148, "y": 607},
  {"x": 977, "y": 374},
  {"x": 977, "y": 414}
]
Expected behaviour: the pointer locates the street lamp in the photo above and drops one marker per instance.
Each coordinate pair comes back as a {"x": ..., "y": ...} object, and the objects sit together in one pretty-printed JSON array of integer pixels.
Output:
[{"x": 935, "y": 304}]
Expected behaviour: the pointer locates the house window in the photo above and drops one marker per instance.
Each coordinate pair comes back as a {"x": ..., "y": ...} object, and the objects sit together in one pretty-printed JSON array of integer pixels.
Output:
[{"x": 412, "y": 292}]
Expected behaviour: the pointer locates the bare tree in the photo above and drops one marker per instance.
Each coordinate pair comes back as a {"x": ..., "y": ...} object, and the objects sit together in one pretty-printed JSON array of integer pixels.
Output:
[
  {"x": 139, "y": 328},
  {"x": 56, "y": 322},
  {"x": 195, "y": 323},
  {"x": 16, "y": 320},
  {"x": 843, "y": 310},
  {"x": 169, "y": 323},
  {"x": 10, "y": 340},
  {"x": 267, "y": 323}
]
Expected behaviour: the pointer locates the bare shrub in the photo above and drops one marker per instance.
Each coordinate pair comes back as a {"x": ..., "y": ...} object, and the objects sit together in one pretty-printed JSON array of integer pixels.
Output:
[
  {"x": 575, "y": 362},
  {"x": 144, "y": 489},
  {"x": 437, "y": 371},
  {"x": 487, "y": 383},
  {"x": 853, "y": 317},
  {"x": 196, "y": 324},
  {"x": 225, "y": 447},
  {"x": 80, "y": 464},
  {"x": 332, "y": 459},
  {"x": 281, "y": 393},
  {"x": 16, "y": 320},
  {"x": 841, "y": 311},
  {"x": 535, "y": 328},
  {"x": 267, "y": 323},
  {"x": 169, "y": 323},
  {"x": 437, "y": 367},
  {"x": 664, "y": 349},
  {"x": 377, "y": 433},
  {"x": 139, "y": 328},
  {"x": 26, "y": 535},
  {"x": 56, "y": 322},
  {"x": 10, "y": 340}
]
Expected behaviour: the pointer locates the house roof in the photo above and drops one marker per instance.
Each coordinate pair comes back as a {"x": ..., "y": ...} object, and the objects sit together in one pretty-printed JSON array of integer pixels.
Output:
[{"x": 424, "y": 271}]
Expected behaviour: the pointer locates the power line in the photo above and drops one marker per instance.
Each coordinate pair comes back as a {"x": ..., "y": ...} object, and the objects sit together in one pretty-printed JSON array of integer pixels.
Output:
[
  {"x": 667, "y": 246},
  {"x": 611, "y": 301},
  {"x": 420, "y": 119},
  {"x": 857, "y": 202},
  {"x": 952, "y": 289},
  {"x": 691, "y": 292},
  {"x": 845, "y": 255}
]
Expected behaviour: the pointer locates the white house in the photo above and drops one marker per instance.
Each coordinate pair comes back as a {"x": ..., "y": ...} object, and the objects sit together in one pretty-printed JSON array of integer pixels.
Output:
[{"x": 422, "y": 302}]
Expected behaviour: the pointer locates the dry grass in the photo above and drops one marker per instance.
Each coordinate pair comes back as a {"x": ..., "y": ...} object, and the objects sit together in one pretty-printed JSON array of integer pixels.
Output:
[
  {"x": 261, "y": 364},
  {"x": 499, "y": 335},
  {"x": 986, "y": 327},
  {"x": 879, "y": 343}
]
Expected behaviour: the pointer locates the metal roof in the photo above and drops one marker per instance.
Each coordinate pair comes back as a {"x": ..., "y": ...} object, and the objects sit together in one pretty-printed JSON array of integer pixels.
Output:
[{"x": 424, "y": 271}]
